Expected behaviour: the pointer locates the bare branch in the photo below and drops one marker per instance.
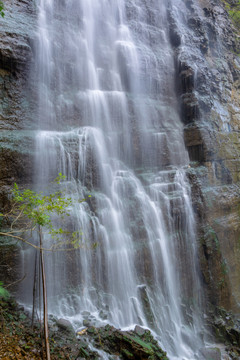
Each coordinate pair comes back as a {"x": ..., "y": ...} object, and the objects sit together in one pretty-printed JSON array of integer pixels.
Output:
[
  {"x": 15, "y": 282},
  {"x": 17, "y": 218},
  {"x": 23, "y": 240},
  {"x": 53, "y": 248}
]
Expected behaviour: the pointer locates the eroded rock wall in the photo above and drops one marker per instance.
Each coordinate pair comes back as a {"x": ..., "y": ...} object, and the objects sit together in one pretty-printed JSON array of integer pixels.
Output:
[
  {"x": 16, "y": 115},
  {"x": 16, "y": 109},
  {"x": 208, "y": 72}
]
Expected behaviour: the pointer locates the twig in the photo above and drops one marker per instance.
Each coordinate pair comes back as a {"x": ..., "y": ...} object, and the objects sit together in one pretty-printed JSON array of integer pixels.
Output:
[
  {"x": 16, "y": 219},
  {"x": 53, "y": 248},
  {"x": 15, "y": 282}
]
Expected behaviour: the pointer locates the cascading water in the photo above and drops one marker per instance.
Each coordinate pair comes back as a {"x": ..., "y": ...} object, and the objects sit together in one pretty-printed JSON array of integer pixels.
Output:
[{"x": 109, "y": 120}]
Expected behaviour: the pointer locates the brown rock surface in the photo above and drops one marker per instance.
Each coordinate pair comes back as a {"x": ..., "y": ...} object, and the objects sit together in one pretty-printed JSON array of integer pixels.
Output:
[{"x": 213, "y": 142}]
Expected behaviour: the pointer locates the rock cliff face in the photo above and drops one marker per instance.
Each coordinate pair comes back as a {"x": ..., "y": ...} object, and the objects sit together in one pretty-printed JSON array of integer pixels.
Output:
[
  {"x": 16, "y": 114},
  {"x": 208, "y": 77}
]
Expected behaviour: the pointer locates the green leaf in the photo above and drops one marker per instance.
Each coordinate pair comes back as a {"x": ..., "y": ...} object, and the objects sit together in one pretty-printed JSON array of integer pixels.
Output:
[
  {"x": 32, "y": 209},
  {"x": 3, "y": 292},
  {"x": 2, "y": 9}
]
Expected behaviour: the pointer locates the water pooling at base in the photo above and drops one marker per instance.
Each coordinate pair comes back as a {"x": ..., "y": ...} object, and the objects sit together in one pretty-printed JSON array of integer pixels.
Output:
[{"x": 109, "y": 120}]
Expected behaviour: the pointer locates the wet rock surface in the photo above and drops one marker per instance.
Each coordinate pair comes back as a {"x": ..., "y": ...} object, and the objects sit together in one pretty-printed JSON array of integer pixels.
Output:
[
  {"x": 21, "y": 340},
  {"x": 208, "y": 73},
  {"x": 65, "y": 326},
  {"x": 213, "y": 354},
  {"x": 16, "y": 54},
  {"x": 16, "y": 109},
  {"x": 226, "y": 329},
  {"x": 126, "y": 344}
]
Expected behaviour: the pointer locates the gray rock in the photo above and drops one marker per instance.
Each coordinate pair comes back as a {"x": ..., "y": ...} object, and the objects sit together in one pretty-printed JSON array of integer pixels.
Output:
[
  {"x": 86, "y": 322},
  {"x": 103, "y": 315},
  {"x": 65, "y": 325},
  {"x": 139, "y": 330},
  {"x": 85, "y": 313},
  {"x": 210, "y": 354}
]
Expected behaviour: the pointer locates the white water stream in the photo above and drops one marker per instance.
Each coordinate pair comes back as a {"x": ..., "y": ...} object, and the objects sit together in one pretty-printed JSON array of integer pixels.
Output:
[{"x": 109, "y": 120}]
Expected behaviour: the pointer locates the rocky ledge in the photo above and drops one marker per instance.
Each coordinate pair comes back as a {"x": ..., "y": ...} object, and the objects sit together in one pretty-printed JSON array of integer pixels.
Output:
[
  {"x": 137, "y": 344},
  {"x": 22, "y": 341}
]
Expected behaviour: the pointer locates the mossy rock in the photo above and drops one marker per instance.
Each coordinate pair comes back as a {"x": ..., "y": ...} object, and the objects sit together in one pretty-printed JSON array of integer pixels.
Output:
[
  {"x": 127, "y": 344},
  {"x": 233, "y": 9}
]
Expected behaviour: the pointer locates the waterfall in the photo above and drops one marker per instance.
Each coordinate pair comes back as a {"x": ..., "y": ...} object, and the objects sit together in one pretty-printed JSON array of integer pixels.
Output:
[{"x": 109, "y": 120}]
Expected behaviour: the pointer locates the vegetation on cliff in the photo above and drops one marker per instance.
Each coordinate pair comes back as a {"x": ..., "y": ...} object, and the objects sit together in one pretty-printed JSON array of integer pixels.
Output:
[
  {"x": 2, "y": 9},
  {"x": 233, "y": 8},
  {"x": 3, "y": 292}
]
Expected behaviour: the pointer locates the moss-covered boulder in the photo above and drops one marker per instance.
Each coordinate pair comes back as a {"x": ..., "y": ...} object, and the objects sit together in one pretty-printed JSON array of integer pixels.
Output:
[{"x": 126, "y": 344}]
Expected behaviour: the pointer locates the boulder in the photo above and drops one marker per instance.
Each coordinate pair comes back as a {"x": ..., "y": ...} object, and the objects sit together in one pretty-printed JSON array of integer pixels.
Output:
[
  {"x": 210, "y": 354},
  {"x": 127, "y": 344},
  {"x": 65, "y": 326}
]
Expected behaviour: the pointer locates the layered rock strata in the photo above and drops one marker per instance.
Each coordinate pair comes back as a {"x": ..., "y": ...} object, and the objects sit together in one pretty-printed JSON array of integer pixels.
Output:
[
  {"x": 16, "y": 109},
  {"x": 16, "y": 115},
  {"x": 208, "y": 73}
]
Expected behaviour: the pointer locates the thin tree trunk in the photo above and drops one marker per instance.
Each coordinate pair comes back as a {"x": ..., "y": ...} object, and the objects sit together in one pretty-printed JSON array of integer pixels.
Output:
[
  {"x": 40, "y": 291},
  {"x": 40, "y": 303},
  {"x": 45, "y": 312},
  {"x": 34, "y": 289}
]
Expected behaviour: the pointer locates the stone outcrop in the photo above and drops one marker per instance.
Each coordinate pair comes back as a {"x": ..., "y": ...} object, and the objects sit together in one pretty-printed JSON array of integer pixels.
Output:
[
  {"x": 22, "y": 340},
  {"x": 138, "y": 344},
  {"x": 208, "y": 73},
  {"x": 16, "y": 114},
  {"x": 16, "y": 109}
]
